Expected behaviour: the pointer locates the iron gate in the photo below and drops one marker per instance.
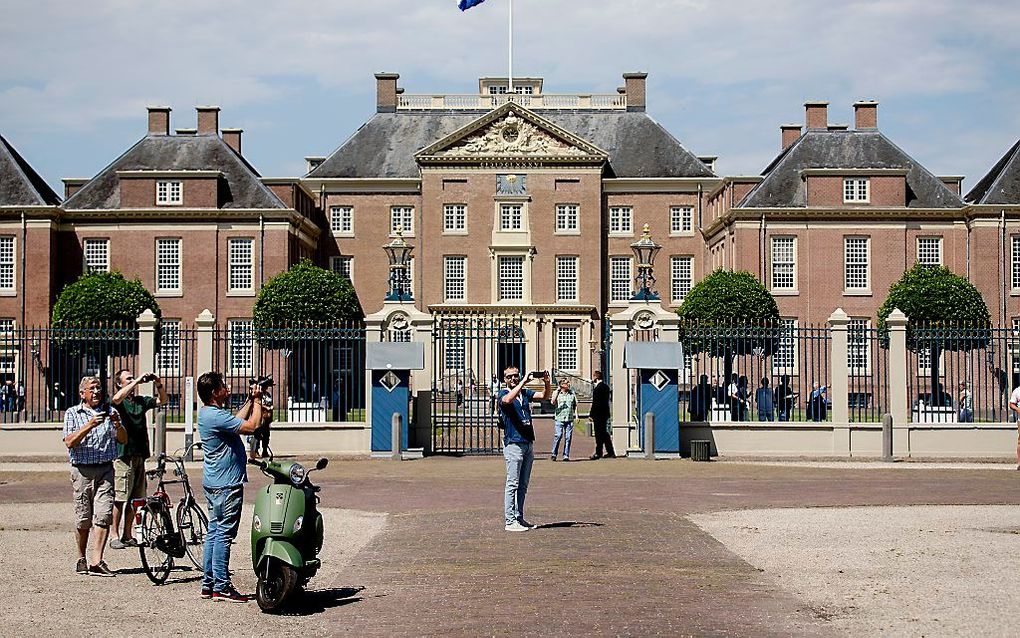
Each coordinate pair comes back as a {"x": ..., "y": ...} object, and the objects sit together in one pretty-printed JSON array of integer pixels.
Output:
[{"x": 470, "y": 353}]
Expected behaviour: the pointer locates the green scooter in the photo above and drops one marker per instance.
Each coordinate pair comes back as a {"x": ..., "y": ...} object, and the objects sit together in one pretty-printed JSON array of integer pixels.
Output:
[{"x": 286, "y": 532}]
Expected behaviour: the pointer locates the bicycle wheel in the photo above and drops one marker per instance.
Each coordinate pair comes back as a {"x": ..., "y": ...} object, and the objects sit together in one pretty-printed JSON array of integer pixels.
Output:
[
  {"x": 155, "y": 560},
  {"x": 193, "y": 526}
]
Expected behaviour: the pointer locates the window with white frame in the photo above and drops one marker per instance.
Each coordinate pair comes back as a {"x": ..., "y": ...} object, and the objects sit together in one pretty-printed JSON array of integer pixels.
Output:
[
  {"x": 784, "y": 361},
  {"x": 681, "y": 219},
  {"x": 453, "y": 344},
  {"x": 241, "y": 270},
  {"x": 566, "y": 348},
  {"x": 855, "y": 189},
  {"x": 511, "y": 278},
  {"x": 400, "y": 335},
  {"x": 342, "y": 265},
  {"x": 455, "y": 278},
  {"x": 681, "y": 277},
  {"x": 168, "y": 265},
  {"x": 855, "y": 263},
  {"x": 619, "y": 278},
  {"x": 566, "y": 278},
  {"x": 169, "y": 357},
  {"x": 510, "y": 216},
  {"x": 402, "y": 217},
  {"x": 7, "y": 262},
  {"x": 929, "y": 251},
  {"x": 7, "y": 326},
  {"x": 1014, "y": 260},
  {"x": 567, "y": 218},
  {"x": 240, "y": 343},
  {"x": 169, "y": 192},
  {"x": 1015, "y": 322},
  {"x": 784, "y": 263},
  {"x": 857, "y": 359},
  {"x": 454, "y": 218},
  {"x": 620, "y": 220},
  {"x": 96, "y": 255},
  {"x": 341, "y": 220}
]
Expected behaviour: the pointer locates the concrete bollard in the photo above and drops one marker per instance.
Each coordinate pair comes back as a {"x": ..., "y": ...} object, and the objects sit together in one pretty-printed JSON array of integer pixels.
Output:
[
  {"x": 396, "y": 440},
  {"x": 160, "y": 442},
  {"x": 650, "y": 436},
  {"x": 887, "y": 452}
]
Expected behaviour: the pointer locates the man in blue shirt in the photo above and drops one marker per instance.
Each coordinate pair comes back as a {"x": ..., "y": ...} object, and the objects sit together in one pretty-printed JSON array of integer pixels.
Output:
[
  {"x": 518, "y": 444},
  {"x": 223, "y": 478}
]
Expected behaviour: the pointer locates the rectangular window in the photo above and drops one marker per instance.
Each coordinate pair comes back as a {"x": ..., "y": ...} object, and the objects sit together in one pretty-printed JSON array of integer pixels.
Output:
[
  {"x": 784, "y": 361},
  {"x": 855, "y": 189},
  {"x": 7, "y": 326},
  {"x": 567, "y": 218},
  {"x": 241, "y": 271},
  {"x": 1014, "y": 253},
  {"x": 784, "y": 263},
  {"x": 566, "y": 348},
  {"x": 342, "y": 265},
  {"x": 855, "y": 263},
  {"x": 341, "y": 219},
  {"x": 857, "y": 346},
  {"x": 402, "y": 217},
  {"x": 168, "y": 265},
  {"x": 169, "y": 357},
  {"x": 511, "y": 278},
  {"x": 455, "y": 278},
  {"x": 681, "y": 276},
  {"x": 566, "y": 279},
  {"x": 620, "y": 220},
  {"x": 240, "y": 341},
  {"x": 929, "y": 251},
  {"x": 454, "y": 218},
  {"x": 7, "y": 262},
  {"x": 454, "y": 355},
  {"x": 510, "y": 216},
  {"x": 619, "y": 278},
  {"x": 169, "y": 193},
  {"x": 681, "y": 219},
  {"x": 96, "y": 254}
]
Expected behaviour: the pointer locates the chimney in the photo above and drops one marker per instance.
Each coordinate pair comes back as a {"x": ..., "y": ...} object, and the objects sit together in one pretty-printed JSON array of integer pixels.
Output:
[
  {"x": 232, "y": 136},
  {"x": 791, "y": 133},
  {"x": 866, "y": 115},
  {"x": 816, "y": 115},
  {"x": 159, "y": 120},
  {"x": 634, "y": 86},
  {"x": 208, "y": 120},
  {"x": 386, "y": 92}
]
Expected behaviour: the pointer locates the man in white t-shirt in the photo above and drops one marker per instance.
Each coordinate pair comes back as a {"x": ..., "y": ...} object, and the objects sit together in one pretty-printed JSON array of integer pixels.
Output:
[{"x": 1014, "y": 405}]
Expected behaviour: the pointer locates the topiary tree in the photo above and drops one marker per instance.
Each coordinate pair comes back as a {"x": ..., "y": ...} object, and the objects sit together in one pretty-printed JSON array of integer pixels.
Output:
[
  {"x": 729, "y": 313},
  {"x": 305, "y": 295},
  {"x": 934, "y": 298}
]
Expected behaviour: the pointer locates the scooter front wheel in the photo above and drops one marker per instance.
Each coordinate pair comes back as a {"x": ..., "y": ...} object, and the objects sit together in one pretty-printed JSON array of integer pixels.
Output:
[{"x": 277, "y": 581}]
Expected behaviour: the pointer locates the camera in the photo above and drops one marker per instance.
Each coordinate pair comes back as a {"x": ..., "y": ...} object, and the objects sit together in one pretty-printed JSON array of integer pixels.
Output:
[
  {"x": 264, "y": 383},
  {"x": 537, "y": 374},
  {"x": 148, "y": 378}
]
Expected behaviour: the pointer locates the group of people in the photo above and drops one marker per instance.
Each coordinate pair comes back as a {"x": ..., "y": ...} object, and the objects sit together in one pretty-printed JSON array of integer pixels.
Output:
[
  {"x": 771, "y": 404},
  {"x": 12, "y": 397}
]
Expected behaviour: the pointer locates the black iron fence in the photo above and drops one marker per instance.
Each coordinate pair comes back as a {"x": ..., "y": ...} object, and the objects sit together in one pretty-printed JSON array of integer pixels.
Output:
[{"x": 867, "y": 363}]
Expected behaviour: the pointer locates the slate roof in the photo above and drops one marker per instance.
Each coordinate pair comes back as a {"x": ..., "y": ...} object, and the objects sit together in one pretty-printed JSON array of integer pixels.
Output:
[
  {"x": 244, "y": 188},
  {"x": 783, "y": 186},
  {"x": 20, "y": 185},
  {"x": 385, "y": 145},
  {"x": 1002, "y": 184}
]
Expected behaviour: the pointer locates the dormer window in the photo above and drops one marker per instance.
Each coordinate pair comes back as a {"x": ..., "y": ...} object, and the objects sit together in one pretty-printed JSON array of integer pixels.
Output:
[
  {"x": 169, "y": 193},
  {"x": 856, "y": 190}
]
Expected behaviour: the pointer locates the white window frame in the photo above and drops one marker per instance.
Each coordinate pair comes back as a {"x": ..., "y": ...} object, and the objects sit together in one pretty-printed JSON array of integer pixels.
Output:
[
  {"x": 340, "y": 263},
  {"x": 856, "y": 190},
  {"x": 928, "y": 247},
  {"x": 402, "y": 216},
  {"x": 621, "y": 220},
  {"x": 504, "y": 280},
  {"x": 455, "y": 219},
  {"x": 681, "y": 220},
  {"x": 8, "y": 264},
  {"x": 567, "y": 278},
  {"x": 455, "y": 282},
  {"x": 511, "y": 217},
  {"x": 169, "y": 264},
  {"x": 237, "y": 264},
  {"x": 169, "y": 192},
  {"x": 618, "y": 291},
  {"x": 99, "y": 259},
  {"x": 341, "y": 220},
  {"x": 168, "y": 360},
  {"x": 858, "y": 354},
  {"x": 784, "y": 361},
  {"x": 568, "y": 219},
  {"x": 240, "y": 351},
  {"x": 864, "y": 266},
  {"x": 1015, "y": 263},
  {"x": 680, "y": 283},
  {"x": 784, "y": 263},
  {"x": 568, "y": 341}
]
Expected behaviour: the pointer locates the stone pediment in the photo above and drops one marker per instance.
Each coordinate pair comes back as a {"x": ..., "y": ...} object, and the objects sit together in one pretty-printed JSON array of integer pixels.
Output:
[{"x": 511, "y": 133}]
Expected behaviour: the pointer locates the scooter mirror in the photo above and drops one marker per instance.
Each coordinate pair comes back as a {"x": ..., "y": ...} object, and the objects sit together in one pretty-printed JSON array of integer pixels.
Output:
[{"x": 322, "y": 463}]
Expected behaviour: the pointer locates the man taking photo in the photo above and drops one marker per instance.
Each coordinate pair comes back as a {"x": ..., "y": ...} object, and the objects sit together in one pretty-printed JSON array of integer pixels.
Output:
[{"x": 518, "y": 444}]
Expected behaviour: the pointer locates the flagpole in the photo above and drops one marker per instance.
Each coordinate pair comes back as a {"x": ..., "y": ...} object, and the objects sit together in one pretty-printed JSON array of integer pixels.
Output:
[{"x": 510, "y": 48}]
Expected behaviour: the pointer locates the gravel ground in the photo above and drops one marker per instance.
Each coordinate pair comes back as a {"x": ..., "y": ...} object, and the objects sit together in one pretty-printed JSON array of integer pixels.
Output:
[
  {"x": 904, "y": 571},
  {"x": 42, "y": 595}
]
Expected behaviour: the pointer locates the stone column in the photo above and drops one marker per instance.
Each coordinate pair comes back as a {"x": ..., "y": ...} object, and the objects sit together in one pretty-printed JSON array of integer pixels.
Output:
[
  {"x": 204, "y": 325},
  {"x": 620, "y": 378},
  {"x": 898, "y": 404},
  {"x": 147, "y": 363},
  {"x": 840, "y": 383}
]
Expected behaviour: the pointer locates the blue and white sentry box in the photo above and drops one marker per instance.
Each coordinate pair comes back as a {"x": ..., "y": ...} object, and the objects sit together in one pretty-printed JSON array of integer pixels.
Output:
[
  {"x": 391, "y": 364},
  {"x": 658, "y": 365}
]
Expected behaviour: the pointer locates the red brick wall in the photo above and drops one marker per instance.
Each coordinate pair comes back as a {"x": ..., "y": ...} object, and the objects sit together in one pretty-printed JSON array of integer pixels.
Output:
[
  {"x": 197, "y": 192},
  {"x": 827, "y": 191}
]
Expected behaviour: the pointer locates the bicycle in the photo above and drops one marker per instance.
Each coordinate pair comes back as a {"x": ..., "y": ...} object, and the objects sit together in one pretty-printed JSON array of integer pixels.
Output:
[{"x": 159, "y": 542}]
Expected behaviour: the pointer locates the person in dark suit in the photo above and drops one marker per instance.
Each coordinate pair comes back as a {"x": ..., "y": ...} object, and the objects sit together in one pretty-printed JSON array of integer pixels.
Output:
[{"x": 599, "y": 416}]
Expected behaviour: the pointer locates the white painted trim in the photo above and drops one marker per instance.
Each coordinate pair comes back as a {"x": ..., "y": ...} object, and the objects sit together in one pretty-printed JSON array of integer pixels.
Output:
[
  {"x": 170, "y": 174},
  {"x": 657, "y": 184}
]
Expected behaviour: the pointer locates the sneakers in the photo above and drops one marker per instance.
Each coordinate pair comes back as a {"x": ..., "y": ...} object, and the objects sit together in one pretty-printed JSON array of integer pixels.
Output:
[
  {"x": 206, "y": 592},
  {"x": 118, "y": 544},
  {"x": 229, "y": 595},
  {"x": 527, "y": 524},
  {"x": 552, "y": 457},
  {"x": 82, "y": 567},
  {"x": 566, "y": 460},
  {"x": 102, "y": 569},
  {"x": 516, "y": 527}
]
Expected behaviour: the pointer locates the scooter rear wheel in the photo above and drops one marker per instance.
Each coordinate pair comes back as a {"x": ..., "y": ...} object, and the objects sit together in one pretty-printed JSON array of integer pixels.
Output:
[{"x": 277, "y": 581}]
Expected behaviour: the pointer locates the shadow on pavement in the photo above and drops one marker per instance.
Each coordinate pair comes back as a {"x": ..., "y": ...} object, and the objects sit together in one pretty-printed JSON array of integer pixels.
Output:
[
  {"x": 319, "y": 600},
  {"x": 569, "y": 524}
]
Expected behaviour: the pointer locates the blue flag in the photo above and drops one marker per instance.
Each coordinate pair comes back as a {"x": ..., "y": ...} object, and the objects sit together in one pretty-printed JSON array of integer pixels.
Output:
[{"x": 467, "y": 4}]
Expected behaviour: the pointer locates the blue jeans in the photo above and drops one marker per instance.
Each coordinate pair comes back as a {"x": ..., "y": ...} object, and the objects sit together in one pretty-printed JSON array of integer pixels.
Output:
[
  {"x": 519, "y": 459},
  {"x": 224, "y": 519},
  {"x": 564, "y": 429}
]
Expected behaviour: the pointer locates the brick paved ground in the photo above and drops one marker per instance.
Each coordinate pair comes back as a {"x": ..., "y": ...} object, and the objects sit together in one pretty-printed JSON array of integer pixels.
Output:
[{"x": 618, "y": 555}]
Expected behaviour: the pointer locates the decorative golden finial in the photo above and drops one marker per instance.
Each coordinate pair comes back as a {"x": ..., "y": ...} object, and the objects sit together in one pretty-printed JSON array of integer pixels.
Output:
[{"x": 644, "y": 232}]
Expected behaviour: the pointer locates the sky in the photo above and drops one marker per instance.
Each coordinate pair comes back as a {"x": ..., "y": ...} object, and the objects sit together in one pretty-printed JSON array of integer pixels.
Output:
[{"x": 297, "y": 76}]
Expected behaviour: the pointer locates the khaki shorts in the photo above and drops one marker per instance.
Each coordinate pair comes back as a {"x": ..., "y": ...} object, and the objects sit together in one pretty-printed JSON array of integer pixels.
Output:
[
  {"x": 130, "y": 482},
  {"x": 93, "y": 495}
]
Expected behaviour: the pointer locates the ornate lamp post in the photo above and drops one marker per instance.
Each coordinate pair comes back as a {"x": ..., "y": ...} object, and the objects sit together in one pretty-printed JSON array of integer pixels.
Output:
[
  {"x": 399, "y": 253},
  {"x": 645, "y": 251}
]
